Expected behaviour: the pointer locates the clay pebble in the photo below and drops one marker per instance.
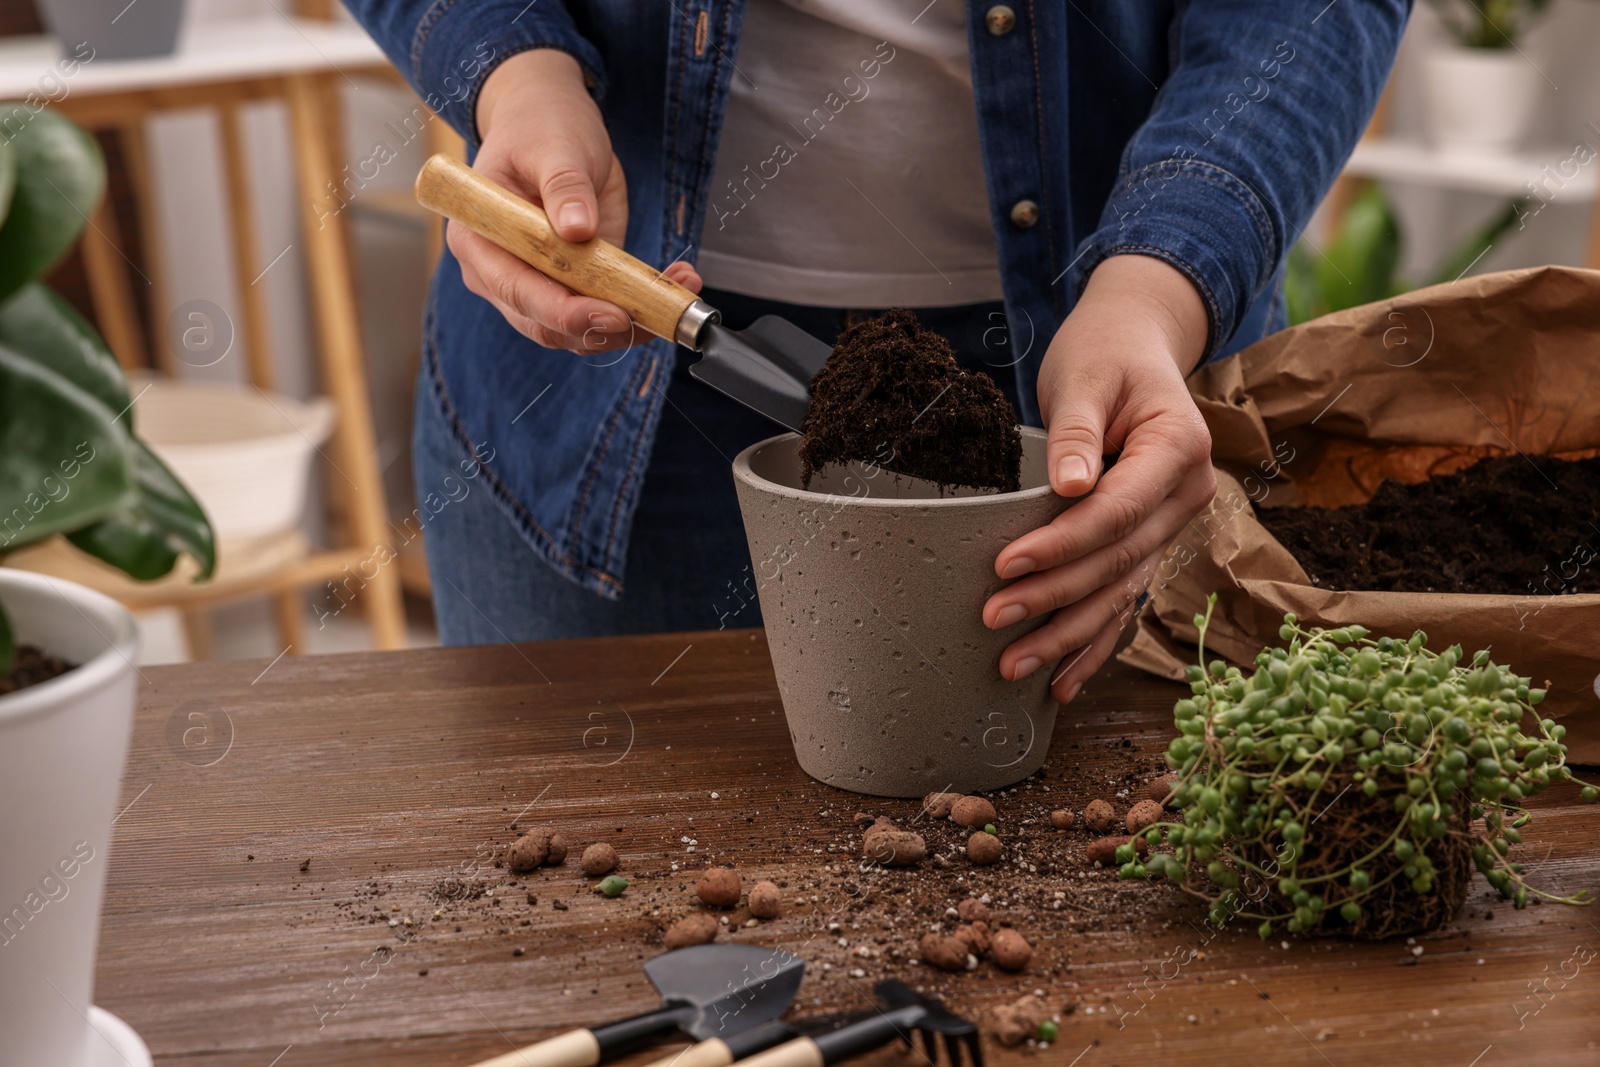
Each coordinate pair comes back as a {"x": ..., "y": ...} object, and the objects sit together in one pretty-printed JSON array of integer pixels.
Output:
[
  {"x": 983, "y": 848},
  {"x": 534, "y": 849},
  {"x": 1009, "y": 949},
  {"x": 1161, "y": 788},
  {"x": 938, "y": 805},
  {"x": 975, "y": 936},
  {"x": 1016, "y": 1022},
  {"x": 599, "y": 858},
  {"x": 720, "y": 887},
  {"x": 972, "y": 812},
  {"x": 766, "y": 900},
  {"x": 1063, "y": 819},
  {"x": 973, "y": 910},
  {"x": 944, "y": 951},
  {"x": 1142, "y": 815},
  {"x": 886, "y": 844},
  {"x": 1104, "y": 850},
  {"x": 1098, "y": 816},
  {"x": 695, "y": 929}
]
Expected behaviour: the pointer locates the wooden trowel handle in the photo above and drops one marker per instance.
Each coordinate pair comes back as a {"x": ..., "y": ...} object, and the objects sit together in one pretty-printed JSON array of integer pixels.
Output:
[
  {"x": 590, "y": 268},
  {"x": 712, "y": 1052},
  {"x": 575, "y": 1048}
]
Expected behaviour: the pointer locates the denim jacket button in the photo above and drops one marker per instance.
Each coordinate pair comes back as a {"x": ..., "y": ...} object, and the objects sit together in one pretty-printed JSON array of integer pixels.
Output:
[
  {"x": 1024, "y": 213},
  {"x": 1000, "y": 19}
]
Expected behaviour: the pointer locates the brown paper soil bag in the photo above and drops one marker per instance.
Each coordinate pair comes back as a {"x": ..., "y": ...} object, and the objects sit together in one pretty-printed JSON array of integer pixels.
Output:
[{"x": 1423, "y": 384}]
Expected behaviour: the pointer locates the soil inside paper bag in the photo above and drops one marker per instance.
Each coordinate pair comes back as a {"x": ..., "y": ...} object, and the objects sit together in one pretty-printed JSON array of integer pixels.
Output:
[
  {"x": 1509, "y": 524},
  {"x": 1498, "y": 368}
]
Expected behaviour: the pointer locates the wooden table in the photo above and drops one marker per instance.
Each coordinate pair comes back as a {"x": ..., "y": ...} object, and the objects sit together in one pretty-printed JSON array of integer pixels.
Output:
[{"x": 393, "y": 772}]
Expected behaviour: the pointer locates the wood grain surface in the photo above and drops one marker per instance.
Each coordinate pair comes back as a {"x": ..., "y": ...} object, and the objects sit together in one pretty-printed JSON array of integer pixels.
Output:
[{"x": 392, "y": 773}]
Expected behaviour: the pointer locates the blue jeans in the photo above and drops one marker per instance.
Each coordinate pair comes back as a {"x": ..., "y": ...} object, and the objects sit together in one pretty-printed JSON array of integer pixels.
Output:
[{"x": 688, "y": 564}]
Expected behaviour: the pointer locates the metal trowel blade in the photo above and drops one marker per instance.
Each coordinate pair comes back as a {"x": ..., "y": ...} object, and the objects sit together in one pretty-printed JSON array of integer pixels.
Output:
[{"x": 767, "y": 366}]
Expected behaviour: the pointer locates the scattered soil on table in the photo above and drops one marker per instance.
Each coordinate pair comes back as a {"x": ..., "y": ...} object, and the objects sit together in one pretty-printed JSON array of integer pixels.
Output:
[
  {"x": 892, "y": 394},
  {"x": 30, "y": 666},
  {"x": 1509, "y": 525}
]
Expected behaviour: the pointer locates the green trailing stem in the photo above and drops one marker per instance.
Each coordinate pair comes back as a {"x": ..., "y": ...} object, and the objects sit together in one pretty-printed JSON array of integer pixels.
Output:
[{"x": 1438, "y": 735}]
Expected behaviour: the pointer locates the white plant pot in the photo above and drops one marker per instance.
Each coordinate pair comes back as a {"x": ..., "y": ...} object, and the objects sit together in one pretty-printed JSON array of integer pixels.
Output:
[
  {"x": 63, "y": 744},
  {"x": 1480, "y": 100}
]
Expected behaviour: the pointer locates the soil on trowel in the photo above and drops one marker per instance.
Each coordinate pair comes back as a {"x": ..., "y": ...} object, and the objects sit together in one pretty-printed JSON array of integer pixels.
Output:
[
  {"x": 30, "y": 666},
  {"x": 892, "y": 394},
  {"x": 1509, "y": 525}
]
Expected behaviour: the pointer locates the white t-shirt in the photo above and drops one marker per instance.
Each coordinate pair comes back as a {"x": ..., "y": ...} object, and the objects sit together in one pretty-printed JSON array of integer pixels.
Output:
[{"x": 849, "y": 172}]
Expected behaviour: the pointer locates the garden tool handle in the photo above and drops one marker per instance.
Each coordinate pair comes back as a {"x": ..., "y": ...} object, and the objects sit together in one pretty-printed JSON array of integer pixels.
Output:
[
  {"x": 712, "y": 1052},
  {"x": 575, "y": 1048},
  {"x": 593, "y": 268},
  {"x": 801, "y": 1052},
  {"x": 587, "y": 1048}
]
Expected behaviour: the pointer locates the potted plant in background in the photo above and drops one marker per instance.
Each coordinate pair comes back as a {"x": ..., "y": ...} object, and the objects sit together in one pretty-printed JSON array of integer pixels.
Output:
[
  {"x": 1360, "y": 263},
  {"x": 69, "y": 464},
  {"x": 1481, "y": 88}
]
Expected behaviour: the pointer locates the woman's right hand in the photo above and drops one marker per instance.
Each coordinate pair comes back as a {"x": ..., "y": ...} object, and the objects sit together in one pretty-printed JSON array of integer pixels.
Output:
[{"x": 544, "y": 139}]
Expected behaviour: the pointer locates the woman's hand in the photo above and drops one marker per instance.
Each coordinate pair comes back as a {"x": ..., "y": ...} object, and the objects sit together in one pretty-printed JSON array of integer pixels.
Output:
[
  {"x": 1112, "y": 381},
  {"x": 544, "y": 139}
]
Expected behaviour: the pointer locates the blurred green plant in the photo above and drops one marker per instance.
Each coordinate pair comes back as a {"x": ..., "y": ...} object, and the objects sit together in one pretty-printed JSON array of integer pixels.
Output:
[
  {"x": 1494, "y": 24},
  {"x": 70, "y": 462},
  {"x": 1360, "y": 264}
]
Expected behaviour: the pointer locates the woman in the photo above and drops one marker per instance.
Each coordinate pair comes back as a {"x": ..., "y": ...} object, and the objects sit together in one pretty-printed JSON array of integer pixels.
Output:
[{"x": 1087, "y": 198}]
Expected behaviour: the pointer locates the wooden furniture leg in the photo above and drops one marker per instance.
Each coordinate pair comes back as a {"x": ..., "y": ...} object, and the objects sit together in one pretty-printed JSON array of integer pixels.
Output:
[
  {"x": 107, "y": 275},
  {"x": 339, "y": 337},
  {"x": 197, "y": 633},
  {"x": 288, "y": 610},
  {"x": 140, "y": 176},
  {"x": 246, "y": 250}
]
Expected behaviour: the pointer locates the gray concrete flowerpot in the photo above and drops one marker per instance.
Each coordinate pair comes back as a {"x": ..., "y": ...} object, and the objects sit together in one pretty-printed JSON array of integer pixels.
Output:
[
  {"x": 115, "y": 29},
  {"x": 871, "y": 588}
]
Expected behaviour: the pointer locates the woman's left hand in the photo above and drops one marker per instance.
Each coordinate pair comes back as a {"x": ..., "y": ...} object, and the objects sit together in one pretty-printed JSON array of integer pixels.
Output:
[{"x": 1112, "y": 381}]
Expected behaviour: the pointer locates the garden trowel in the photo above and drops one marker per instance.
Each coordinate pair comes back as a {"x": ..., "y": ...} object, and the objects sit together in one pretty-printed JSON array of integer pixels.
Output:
[
  {"x": 706, "y": 991},
  {"x": 767, "y": 367}
]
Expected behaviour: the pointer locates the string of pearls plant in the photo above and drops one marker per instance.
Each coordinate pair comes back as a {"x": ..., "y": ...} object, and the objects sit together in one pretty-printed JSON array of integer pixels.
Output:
[{"x": 1431, "y": 749}]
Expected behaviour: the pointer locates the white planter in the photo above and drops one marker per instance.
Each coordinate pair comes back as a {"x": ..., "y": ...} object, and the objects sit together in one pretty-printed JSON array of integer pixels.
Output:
[
  {"x": 245, "y": 455},
  {"x": 63, "y": 744},
  {"x": 1480, "y": 100}
]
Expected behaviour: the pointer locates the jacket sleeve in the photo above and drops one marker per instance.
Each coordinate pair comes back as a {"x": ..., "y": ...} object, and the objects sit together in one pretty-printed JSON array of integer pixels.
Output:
[
  {"x": 1264, "y": 103},
  {"x": 446, "y": 49}
]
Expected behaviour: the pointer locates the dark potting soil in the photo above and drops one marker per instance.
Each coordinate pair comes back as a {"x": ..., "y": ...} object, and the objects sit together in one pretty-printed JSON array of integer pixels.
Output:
[
  {"x": 1499, "y": 526},
  {"x": 892, "y": 394},
  {"x": 30, "y": 666}
]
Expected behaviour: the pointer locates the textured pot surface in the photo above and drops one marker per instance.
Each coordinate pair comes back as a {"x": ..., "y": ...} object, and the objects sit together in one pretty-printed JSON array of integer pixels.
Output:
[
  {"x": 871, "y": 587},
  {"x": 62, "y": 748}
]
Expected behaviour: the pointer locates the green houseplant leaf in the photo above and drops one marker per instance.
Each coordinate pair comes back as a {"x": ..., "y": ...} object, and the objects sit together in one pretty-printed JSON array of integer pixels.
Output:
[
  {"x": 67, "y": 460},
  {"x": 1359, "y": 264},
  {"x": 60, "y": 177},
  {"x": 145, "y": 534},
  {"x": 39, "y": 325},
  {"x": 8, "y": 176}
]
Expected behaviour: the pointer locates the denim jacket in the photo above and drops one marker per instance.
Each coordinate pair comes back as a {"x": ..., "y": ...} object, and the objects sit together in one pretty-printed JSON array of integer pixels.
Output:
[{"x": 1202, "y": 133}]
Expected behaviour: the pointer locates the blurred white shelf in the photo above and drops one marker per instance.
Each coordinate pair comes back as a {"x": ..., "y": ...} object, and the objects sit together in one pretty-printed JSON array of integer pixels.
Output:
[
  {"x": 207, "y": 52},
  {"x": 1395, "y": 159}
]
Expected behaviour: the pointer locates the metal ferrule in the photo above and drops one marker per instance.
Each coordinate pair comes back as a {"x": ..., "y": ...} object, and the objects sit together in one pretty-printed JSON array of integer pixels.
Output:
[{"x": 693, "y": 320}]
